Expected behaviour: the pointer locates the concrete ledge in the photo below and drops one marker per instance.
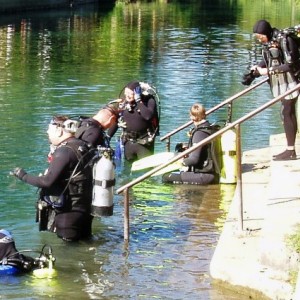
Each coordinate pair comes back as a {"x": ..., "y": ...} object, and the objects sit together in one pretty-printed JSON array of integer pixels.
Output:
[{"x": 256, "y": 260}]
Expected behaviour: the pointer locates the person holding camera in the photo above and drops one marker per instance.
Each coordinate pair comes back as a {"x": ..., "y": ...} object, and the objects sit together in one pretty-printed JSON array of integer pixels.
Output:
[
  {"x": 66, "y": 186},
  {"x": 281, "y": 64}
]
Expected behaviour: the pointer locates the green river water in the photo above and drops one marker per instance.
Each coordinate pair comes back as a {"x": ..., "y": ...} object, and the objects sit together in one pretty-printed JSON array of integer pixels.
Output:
[{"x": 73, "y": 62}]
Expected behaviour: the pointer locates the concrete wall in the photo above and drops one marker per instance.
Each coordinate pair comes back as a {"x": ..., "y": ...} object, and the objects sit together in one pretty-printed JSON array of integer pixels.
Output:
[{"x": 19, "y": 5}]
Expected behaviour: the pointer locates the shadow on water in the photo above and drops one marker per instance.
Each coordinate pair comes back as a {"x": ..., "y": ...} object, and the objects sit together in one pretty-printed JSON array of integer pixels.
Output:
[
  {"x": 48, "y": 18},
  {"x": 173, "y": 232}
]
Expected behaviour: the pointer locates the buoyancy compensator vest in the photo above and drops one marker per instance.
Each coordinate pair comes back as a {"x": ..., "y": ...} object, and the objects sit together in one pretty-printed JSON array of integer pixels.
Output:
[
  {"x": 74, "y": 193},
  {"x": 212, "y": 162},
  {"x": 148, "y": 92},
  {"x": 79, "y": 181},
  {"x": 276, "y": 53}
]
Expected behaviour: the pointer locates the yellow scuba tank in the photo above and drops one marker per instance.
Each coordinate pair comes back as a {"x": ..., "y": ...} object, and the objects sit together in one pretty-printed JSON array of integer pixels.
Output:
[
  {"x": 229, "y": 159},
  {"x": 216, "y": 148},
  {"x": 104, "y": 181}
]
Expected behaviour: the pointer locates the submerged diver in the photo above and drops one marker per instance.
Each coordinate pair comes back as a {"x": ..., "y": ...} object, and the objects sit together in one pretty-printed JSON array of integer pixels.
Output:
[
  {"x": 199, "y": 166},
  {"x": 11, "y": 260},
  {"x": 281, "y": 63},
  {"x": 139, "y": 121},
  {"x": 66, "y": 187}
]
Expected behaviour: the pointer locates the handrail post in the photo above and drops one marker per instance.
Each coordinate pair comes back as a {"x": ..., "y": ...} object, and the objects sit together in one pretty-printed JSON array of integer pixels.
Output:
[
  {"x": 239, "y": 187},
  {"x": 126, "y": 215},
  {"x": 168, "y": 144},
  {"x": 236, "y": 125}
]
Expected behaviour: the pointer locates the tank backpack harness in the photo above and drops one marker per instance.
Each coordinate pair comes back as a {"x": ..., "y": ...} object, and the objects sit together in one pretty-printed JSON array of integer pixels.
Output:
[
  {"x": 84, "y": 157},
  {"x": 103, "y": 172},
  {"x": 147, "y": 92},
  {"x": 211, "y": 165},
  {"x": 276, "y": 53},
  {"x": 48, "y": 205}
]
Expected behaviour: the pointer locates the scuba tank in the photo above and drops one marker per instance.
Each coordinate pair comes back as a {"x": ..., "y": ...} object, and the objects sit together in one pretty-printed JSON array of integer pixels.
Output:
[
  {"x": 228, "y": 172},
  {"x": 229, "y": 159},
  {"x": 104, "y": 181}
]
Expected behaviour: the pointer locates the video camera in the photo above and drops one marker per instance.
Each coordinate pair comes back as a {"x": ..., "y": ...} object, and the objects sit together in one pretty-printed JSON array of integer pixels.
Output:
[{"x": 249, "y": 77}]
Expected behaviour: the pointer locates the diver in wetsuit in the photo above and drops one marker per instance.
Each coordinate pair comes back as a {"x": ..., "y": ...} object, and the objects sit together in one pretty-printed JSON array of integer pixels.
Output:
[
  {"x": 92, "y": 130},
  {"x": 281, "y": 63},
  {"x": 9, "y": 255},
  {"x": 66, "y": 186},
  {"x": 199, "y": 166},
  {"x": 139, "y": 121}
]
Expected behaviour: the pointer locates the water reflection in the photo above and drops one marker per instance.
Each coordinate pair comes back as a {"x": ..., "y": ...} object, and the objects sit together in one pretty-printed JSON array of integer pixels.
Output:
[
  {"x": 74, "y": 61},
  {"x": 167, "y": 215}
]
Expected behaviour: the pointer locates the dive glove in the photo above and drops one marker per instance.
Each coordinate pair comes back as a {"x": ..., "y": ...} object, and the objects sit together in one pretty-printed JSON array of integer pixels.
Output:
[
  {"x": 249, "y": 77},
  {"x": 122, "y": 123},
  {"x": 137, "y": 94},
  {"x": 19, "y": 173},
  {"x": 180, "y": 147}
]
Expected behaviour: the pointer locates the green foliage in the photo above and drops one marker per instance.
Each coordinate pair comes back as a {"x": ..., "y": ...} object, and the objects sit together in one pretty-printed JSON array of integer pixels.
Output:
[
  {"x": 293, "y": 276},
  {"x": 293, "y": 240},
  {"x": 123, "y": 1}
]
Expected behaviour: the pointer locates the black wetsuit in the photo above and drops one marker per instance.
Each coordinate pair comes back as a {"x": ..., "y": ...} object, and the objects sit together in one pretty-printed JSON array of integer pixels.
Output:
[
  {"x": 283, "y": 58},
  {"x": 72, "y": 217},
  {"x": 92, "y": 133},
  {"x": 199, "y": 162},
  {"x": 141, "y": 122}
]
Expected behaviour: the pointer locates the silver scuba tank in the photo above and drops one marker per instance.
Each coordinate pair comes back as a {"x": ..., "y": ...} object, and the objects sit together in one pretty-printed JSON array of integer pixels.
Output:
[{"x": 104, "y": 181}]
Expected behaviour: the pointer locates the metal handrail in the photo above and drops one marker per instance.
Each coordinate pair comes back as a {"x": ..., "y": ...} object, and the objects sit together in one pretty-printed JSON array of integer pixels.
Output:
[
  {"x": 229, "y": 100},
  {"x": 191, "y": 149},
  {"x": 194, "y": 147}
]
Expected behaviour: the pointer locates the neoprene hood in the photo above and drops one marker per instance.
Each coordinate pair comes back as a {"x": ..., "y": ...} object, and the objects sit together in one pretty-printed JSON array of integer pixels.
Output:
[{"x": 263, "y": 27}]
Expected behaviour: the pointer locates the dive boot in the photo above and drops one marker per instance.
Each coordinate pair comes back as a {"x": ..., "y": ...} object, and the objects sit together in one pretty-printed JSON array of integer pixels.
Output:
[{"x": 286, "y": 155}]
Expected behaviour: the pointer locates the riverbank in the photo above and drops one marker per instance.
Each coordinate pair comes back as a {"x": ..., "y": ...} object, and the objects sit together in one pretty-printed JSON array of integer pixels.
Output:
[{"x": 258, "y": 260}]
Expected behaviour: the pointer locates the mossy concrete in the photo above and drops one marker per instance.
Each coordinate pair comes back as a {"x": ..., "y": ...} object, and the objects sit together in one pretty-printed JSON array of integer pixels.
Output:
[{"x": 257, "y": 260}]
